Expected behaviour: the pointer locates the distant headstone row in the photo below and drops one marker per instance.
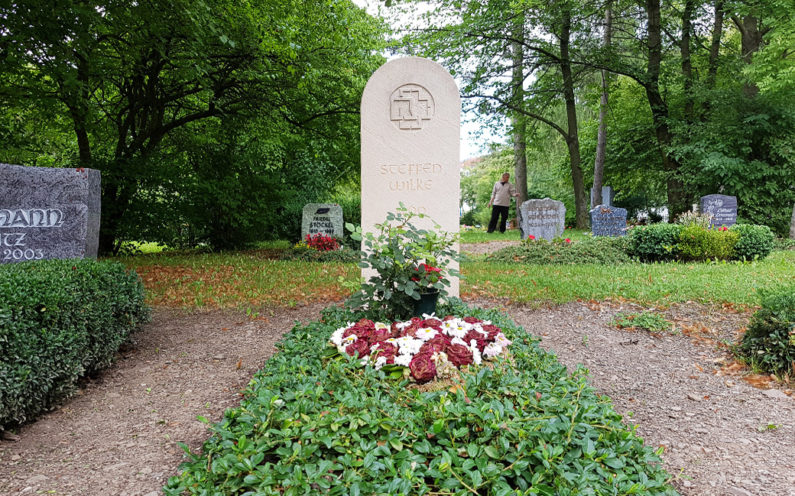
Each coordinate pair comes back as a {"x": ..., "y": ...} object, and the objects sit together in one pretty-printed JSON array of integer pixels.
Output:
[
  {"x": 608, "y": 221},
  {"x": 322, "y": 218},
  {"x": 48, "y": 213},
  {"x": 722, "y": 208},
  {"x": 542, "y": 218}
]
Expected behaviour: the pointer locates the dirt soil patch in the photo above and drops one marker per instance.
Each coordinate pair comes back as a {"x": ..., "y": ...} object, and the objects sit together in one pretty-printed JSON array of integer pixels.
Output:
[{"x": 720, "y": 435}]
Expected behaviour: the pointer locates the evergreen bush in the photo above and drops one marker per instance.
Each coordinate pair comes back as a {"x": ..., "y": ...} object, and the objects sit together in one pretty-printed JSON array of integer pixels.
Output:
[
  {"x": 654, "y": 243},
  {"x": 603, "y": 250},
  {"x": 698, "y": 243},
  {"x": 754, "y": 243},
  {"x": 769, "y": 342},
  {"x": 60, "y": 320}
]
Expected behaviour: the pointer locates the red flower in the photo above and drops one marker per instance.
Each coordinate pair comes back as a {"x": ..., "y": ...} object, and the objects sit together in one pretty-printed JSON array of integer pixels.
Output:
[
  {"x": 422, "y": 368},
  {"x": 567, "y": 240},
  {"x": 384, "y": 349},
  {"x": 379, "y": 335},
  {"x": 459, "y": 355},
  {"x": 432, "y": 323},
  {"x": 472, "y": 320},
  {"x": 361, "y": 346},
  {"x": 531, "y": 237}
]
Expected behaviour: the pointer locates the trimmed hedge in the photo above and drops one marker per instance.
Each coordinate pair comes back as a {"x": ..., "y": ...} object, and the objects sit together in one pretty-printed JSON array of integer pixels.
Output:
[
  {"x": 697, "y": 243},
  {"x": 667, "y": 242},
  {"x": 598, "y": 250},
  {"x": 60, "y": 320},
  {"x": 655, "y": 243},
  {"x": 769, "y": 342},
  {"x": 755, "y": 242},
  {"x": 315, "y": 422}
]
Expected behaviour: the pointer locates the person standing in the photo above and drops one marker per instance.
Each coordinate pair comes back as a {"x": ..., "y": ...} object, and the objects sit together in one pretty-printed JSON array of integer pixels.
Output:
[{"x": 500, "y": 201}]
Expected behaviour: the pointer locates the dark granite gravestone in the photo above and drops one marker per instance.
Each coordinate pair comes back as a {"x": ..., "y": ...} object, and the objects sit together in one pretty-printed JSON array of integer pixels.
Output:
[
  {"x": 48, "y": 213},
  {"x": 322, "y": 218},
  {"x": 542, "y": 218},
  {"x": 722, "y": 208},
  {"x": 608, "y": 221},
  {"x": 607, "y": 196}
]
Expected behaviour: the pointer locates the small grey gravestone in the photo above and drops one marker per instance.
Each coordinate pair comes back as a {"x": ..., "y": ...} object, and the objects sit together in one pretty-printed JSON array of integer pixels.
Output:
[
  {"x": 608, "y": 221},
  {"x": 722, "y": 208},
  {"x": 542, "y": 218},
  {"x": 48, "y": 213},
  {"x": 322, "y": 218},
  {"x": 792, "y": 225},
  {"x": 607, "y": 196}
]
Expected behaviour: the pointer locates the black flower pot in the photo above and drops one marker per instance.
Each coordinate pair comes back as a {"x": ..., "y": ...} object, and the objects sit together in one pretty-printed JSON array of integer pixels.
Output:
[{"x": 426, "y": 303}]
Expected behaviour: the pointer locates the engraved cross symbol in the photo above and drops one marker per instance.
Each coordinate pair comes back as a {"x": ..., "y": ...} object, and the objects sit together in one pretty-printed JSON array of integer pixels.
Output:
[{"x": 410, "y": 106}]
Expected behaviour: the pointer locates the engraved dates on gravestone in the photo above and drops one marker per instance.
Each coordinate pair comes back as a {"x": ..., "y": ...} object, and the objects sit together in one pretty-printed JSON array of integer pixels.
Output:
[
  {"x": 322, "y": 218},
  {"x": 608, "y": 221},
  {"x": 48, "y": 213},
  {"x": 722, "y": 208},
  {"x": 542, "y": 218}
]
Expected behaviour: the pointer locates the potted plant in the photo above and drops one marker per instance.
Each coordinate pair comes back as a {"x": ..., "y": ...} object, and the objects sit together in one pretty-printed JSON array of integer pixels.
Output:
[{"x": 409, "y": 262}]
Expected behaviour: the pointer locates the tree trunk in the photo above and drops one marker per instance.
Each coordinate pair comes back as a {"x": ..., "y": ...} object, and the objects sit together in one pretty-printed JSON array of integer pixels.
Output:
[
  {"x": 714, "y": 49},
  {"x": 687, "y": 66},
  {"x": 572, "y": 140},
  {"x": 519, "y": 123},
  {"x": 601, "y": 137},
  {"x": 677, "y": 200},
  {"x": 751, "y": 42}
]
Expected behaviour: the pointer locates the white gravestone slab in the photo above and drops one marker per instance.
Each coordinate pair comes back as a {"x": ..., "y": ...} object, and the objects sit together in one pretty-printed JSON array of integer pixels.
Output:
[
  {"x": 322, "y": 218},
  {"x": 542, "y": 218},
  {"x": 411, "y": 113}
]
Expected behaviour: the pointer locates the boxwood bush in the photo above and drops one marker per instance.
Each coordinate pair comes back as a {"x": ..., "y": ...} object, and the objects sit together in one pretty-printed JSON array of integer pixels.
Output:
[
  {"x": 655, "y": 243},
  {"x": 599, "y": 250},
  {"x": 769, "y": 342},
  {"x": 60, "y": 320},
  {"x": 315, "y": 422},
  {"x": 697, "y": 243},
  {"x": 755, "y": 242}
]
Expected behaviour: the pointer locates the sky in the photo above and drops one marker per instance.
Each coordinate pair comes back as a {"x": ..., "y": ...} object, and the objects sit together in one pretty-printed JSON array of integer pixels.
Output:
[{"x": 470, "y": 145}]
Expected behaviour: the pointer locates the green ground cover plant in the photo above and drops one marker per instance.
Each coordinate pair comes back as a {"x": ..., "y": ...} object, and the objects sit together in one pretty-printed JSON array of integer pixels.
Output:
[
  {"x": 658, "y": 283},
  {"x": 769, "y": 343},
  {"x": 307, "y": 254},
  {"x": 647, "y": 321},
  {"x": 313, "y": 421},
  {"x": 60, "y": 320},
  {"x": 598, "y": 250},
  {"x": 479, "y": 235}
]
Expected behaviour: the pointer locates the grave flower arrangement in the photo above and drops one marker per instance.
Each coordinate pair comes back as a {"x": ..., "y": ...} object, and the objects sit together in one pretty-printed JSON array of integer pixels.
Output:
[
  {"x": 407, "y": 260},
  {"x": 428, "y": 348}
]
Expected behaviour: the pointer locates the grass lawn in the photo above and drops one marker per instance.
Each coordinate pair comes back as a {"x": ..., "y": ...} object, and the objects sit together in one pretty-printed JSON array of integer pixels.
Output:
[
  {"x": 249, "y": 280},
  {"x": 479, "y": 235}
]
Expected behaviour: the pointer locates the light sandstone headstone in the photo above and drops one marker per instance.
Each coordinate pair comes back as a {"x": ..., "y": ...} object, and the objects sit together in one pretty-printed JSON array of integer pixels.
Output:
[
  {"x": 48, "y": 213},
  {"x": 542, "y": 218},
  {"x": 322, "y": 218},
  {"x": 410, "y": 116},
  {"x": 608, "y": 221},
  {"x": 722, "y": 208}
]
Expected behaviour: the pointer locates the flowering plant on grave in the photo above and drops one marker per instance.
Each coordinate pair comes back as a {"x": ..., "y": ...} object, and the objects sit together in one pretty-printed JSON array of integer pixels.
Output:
[
  {"x": 426, "y": 349},
  {"x": 322, "y": 242},
  {"x": 407, "y": 261}
]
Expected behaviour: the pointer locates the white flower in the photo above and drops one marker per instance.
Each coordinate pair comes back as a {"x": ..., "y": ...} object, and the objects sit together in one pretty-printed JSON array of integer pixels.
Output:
[
  {"x": 473, "y": 347},
  {"x": 403, "y": 325},
  {"x": 345, "y": 342},
  {"x": 456, "y": 328},
  {"x": 502, "y": 340},
  {"x": 426, "y": 333},
  {"x": 458, "y": 341},
  {"x": 408, "y": 345},
  {"x": 431, "y": 316},
  {"x": 380, "y": 362},
  {"x": 492, "y": 350},
  {"x": 391, "y": 340},
  {"x": 477, "y": 328},
  {"x": 381, "y": 325},
  {"x": 403, "y": 360},
  {"x": 336, "y": 336}
]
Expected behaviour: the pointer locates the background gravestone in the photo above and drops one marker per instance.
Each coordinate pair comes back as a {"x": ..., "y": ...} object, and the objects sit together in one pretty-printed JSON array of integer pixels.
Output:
[
  {"x": 48, "y": 213},
  {"x": 322, "y": 218},
  {"x": 723, "y": 209},
  {"x": 411, "y": 114},
  {"x": 792, "y": 225},
  {"x": 542, "y": 218},
  {"x": 609, "y": 221},
  {"x": 607, "y": 196}
]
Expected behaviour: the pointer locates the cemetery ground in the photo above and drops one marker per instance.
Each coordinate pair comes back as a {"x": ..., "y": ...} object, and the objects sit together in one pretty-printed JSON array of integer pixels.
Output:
[{"x": 722, "y": 429}]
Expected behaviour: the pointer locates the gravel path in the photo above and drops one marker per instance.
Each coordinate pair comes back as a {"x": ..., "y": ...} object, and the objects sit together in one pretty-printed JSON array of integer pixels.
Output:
[{"x": 119, "y": 435}]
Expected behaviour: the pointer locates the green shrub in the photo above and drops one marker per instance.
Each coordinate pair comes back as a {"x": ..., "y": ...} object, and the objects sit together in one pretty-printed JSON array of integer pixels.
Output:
[
  {"x": 649, "y": 321},
  {"x": 60, "y": 320},
  {"x": 654, "y": 243},
  {"x": 307, "y": 254},
  {"x": 602, "y": 250},
  {"x": 754, "y": 243},
  {"x": 769, "y": 342},
  {"x": 697, "y": 243},
  {"x": 315, "y": 422}
]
